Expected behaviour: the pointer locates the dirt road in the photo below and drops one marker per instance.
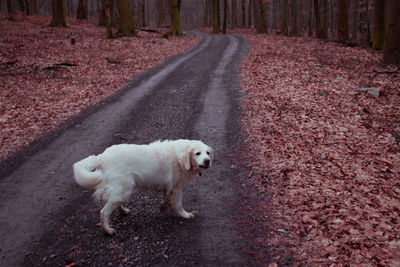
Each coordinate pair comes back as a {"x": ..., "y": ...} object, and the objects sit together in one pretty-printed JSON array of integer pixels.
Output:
[{"x": 48, "y": 220}]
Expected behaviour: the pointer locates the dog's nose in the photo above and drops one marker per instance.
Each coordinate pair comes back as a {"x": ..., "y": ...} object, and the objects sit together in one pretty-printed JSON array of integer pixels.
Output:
[{"x": 207, "y": 162}]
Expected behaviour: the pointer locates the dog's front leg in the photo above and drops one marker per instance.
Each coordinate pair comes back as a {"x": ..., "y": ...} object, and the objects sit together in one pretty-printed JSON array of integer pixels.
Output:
[{"x": 176, "y": 203}]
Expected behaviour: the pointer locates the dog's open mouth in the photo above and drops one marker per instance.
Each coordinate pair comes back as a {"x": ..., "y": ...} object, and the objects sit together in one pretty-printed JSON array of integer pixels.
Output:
[{"x": 204, "y": 166}]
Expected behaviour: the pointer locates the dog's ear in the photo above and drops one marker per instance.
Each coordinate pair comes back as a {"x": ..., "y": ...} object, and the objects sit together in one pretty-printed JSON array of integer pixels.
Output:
[
  {"x": 211, "y": 154},
  {"x": 185, "y": 156}
]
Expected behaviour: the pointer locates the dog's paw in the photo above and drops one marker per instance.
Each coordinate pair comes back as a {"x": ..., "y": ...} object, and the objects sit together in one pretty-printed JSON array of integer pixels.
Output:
[
  {"x": 165, "y": 206},
  {"x": 192, "y": 214},
  {"x": 109, "y": 231},
  {"x": 124, "y": 210}
]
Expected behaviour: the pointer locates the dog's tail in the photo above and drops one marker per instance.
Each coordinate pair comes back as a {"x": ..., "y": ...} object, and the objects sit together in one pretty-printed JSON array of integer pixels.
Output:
[{"x": 87, "y": 172}]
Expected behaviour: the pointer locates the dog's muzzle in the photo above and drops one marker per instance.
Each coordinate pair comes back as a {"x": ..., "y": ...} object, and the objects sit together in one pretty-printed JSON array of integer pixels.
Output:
[{"x": 206, "y": 164}]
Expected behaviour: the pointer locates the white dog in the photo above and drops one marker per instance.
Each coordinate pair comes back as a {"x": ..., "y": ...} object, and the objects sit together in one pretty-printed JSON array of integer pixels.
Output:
[{"x": 167, "y": 165}]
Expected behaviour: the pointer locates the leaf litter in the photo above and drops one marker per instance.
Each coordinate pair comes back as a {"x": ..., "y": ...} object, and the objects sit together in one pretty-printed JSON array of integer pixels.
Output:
[
  {"x": 328, "y": 154},
  {"x": 48, "y": 75}
]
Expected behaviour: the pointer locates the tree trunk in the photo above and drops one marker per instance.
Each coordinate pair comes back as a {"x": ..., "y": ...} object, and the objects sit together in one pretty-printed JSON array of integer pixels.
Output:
[
  {"x": 260, "y": 17},
  {"x": 143, "y": 13},
  {"x": 106, "y": 5},
  {"x": 11, "y": 9},
  {"x": 391, "y": 51},
  {"x": 343, "y": 27},
  {"x": 243, "y": 14},
  {"x": 294, "y": 31},
  {"x": 82, "y": 10},
  {"x": 102, "y": 14},
  {"x": 215, "y": 21},
  {"x": 125, "y": 22},
  {"x": 274, "y": 14},
  {"x": 324, "y": 17},
  {"x": 310, "y": 17},
  {"x": 318, "y": 25},
  {"x": 225, "y": 17},
  {"x": 256, "y": 13},
  {"x": 283, "y": 17},
  {"x": 249, "y": 17},
  {"x": 59, "y": 12},
  {"x": 379, "y": 28},
  {"x": 368, "y": 41},
  {"x": 175, "y": 28},
  {"x": 208, "y": 14},
  {"x": 355, "y": 20},
  {"x": 234, "y": 20},
  {"x": 31, "y": 7}
]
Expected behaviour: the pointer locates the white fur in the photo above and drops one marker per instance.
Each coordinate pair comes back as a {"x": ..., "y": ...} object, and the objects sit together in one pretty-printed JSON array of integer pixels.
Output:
[{"x": 166, "y": 165}]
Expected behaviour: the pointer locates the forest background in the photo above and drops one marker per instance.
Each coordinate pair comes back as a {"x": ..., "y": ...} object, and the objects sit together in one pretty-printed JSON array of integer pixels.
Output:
[
  {"x": 366, "y": 22},
  {"x": 321, "y": 112}
]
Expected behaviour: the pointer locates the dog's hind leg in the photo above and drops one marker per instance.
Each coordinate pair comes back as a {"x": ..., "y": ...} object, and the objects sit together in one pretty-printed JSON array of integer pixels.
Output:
[
  {"x": 105, "y": 216},
  {"x": 123, "y": 210},
  {"x": 165, "y": 206}
]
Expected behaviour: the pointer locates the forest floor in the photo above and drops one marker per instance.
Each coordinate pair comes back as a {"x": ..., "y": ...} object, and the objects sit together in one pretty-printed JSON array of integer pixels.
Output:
[
  {"x": 326, "y": 155},
  {"x": 48, "y": 74}
]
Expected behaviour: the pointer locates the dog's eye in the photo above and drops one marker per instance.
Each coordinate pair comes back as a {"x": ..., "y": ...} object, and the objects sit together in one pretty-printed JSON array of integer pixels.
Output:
[
  {"x": 208, "y": 152},
  {"x": 198, "y": 154}
]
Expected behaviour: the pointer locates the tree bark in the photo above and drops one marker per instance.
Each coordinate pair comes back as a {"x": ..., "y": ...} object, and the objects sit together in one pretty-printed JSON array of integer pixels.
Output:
[
  {"x": 324, "y": 18},
  {"x": 343, "y": 27},
  {"x": 391, "y": 51},
  {"x": 106, "y": 5},
  {"x": 259, "y": 16},
  {"x": 379, "y": 28},
  {"x": 249, "y": 17},
  {"x": 11, "y": 9},
  {"x": 294, "y": 31},
  {"x": 243, "y": 14},
  {"x": 368, "y": 41},
  {"x": 82, "y": 10},
  {"x": 31, "y": 7},
  {"x": 215, "y": 20},
  {"x": 234, "y": 20},
  {"x": 310, "y": 17},
  {"x": 283, "y": 17},
  {"x": 318, "y": 25},
  {"x": 225, "y": 17},
  {"x": 125, "y": 23},
  {"x": 59, "y": 12},
  {"x": 175, "y": 28},
  {"x": 355, "y": 21}
]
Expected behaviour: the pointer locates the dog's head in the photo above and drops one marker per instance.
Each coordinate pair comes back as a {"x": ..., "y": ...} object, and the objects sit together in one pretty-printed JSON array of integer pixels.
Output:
[{"x": 196, "y": 156}]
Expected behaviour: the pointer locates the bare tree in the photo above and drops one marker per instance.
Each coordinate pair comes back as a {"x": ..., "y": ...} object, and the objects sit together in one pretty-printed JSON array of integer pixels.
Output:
[
  {"x": 294, "y": 31},
  {"x": 59, "y": 11},
  {"x": 125, "y": 22},
  {"x": 175, "y": 28},
  {"x": 224, "y": 17},
  {"x": 106, "y": 5},
  {"x": 283, "y": 17},
  {"x": 343, "y": 27},
  {"x": 324, "y": 19},
  {"x": 379, "y": 28},
  {"x": 30, "y": 7},
  {"x": 318, "y": 25},
  {"x": 215, "y": 19},
  {"x": 259, "y": 16},
  {"x": 82, "y": 10},
  {"x": 391, "y": 51},
  {"x": 234, "y": 11}
]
